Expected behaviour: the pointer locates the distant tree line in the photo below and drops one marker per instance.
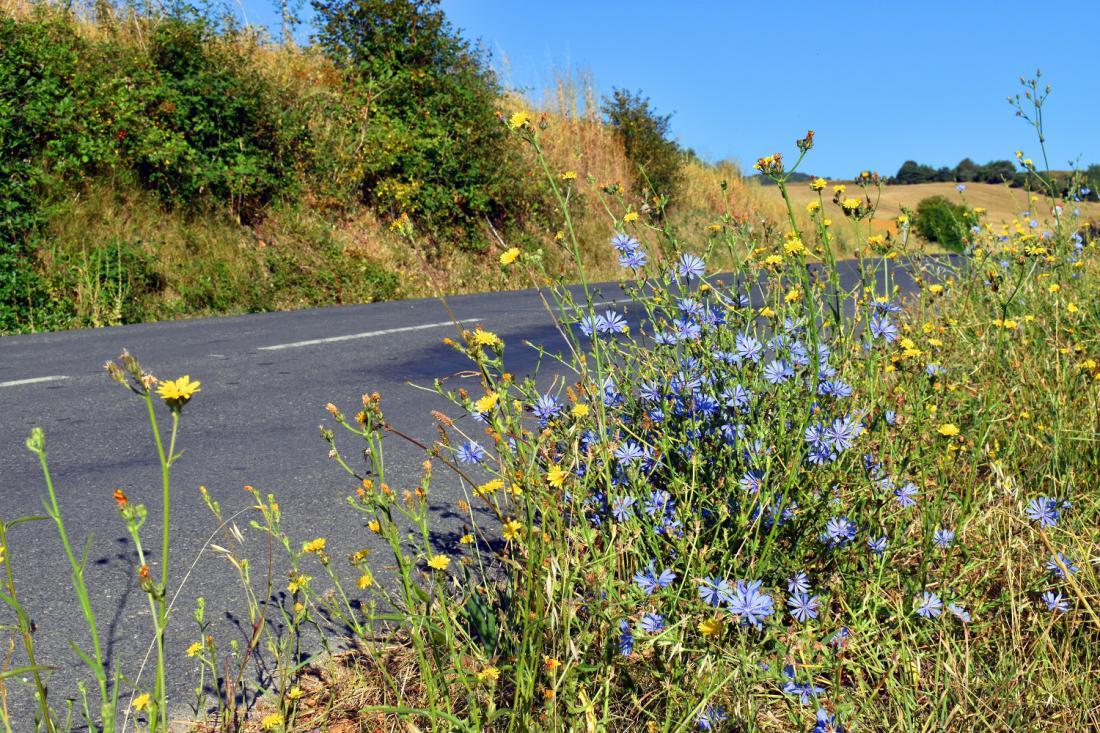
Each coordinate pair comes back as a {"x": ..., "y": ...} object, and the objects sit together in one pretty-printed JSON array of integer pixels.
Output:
[
  {"x": 967, "y": 171},
  {"x": 1000, "y": 171}
]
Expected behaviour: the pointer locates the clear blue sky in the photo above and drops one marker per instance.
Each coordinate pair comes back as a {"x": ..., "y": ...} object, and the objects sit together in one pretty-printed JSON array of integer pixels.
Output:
[{"x": 878, "y": 81}]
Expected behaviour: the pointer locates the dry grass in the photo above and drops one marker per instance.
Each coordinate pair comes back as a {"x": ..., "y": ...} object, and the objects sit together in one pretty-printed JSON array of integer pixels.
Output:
[{"x": 1002, "y": 203}]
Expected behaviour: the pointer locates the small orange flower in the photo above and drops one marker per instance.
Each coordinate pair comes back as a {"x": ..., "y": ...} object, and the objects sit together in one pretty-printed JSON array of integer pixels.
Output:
[{"x": 121, "y": 498}]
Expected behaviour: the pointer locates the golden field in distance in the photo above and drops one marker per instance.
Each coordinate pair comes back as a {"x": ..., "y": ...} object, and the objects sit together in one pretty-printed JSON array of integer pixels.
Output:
[{"x": 1002, "y": 204}]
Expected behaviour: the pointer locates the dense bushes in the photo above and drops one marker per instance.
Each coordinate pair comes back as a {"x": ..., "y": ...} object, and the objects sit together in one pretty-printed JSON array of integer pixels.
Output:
[
  {"x": 182, "y": 115},
  {"x": 645, "y": 135},
  {"x": 436, "y": 149},
  {"x": 942, "y": 221}
]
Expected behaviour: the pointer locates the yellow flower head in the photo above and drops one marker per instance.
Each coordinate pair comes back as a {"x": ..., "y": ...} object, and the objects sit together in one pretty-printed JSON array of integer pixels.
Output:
[
  {"x": 366, "y": 580},
  {"x": 512, "y": 529},
  {"x": 580, "y": 410},
  {"x": 271, "y": 721},
  {"x": 509, "y": 256},
  {"x": 486, "y": 338},
  {"x": 948, "y": 430},
  {"x": 556, "y": 476},
  {"x": 850, "y": 204},
  {"x": 551, "y": 663},
  {"x": 519, "y": 120},
  {"x": 374, "y": 526},
  {"x": 487, "y": 402},
  {"x": 818, "y": 184},
  {"x": 812, "y": 207},
  {"x": 839, "y": 188},
  {"x": 467, "y": 539},
  {"x": 793, "y": 246},
  {"x": 489, "y": 487},
  {"x": 178, "y": 392},
  {"x": 141, "y": 701},
  {"x": 314, "y": 545},
  {"x": 194, "y": 648},
  {"x": 569, "y": 176},
  {"x": 711, "y": 626},
  {"x": 489, "y": 674},
  {"x": 631, "y": 216},
  {"x": 439, "y": 562}
]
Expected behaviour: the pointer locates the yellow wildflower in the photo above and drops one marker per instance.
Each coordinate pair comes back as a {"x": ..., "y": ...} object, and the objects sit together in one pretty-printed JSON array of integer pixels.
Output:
[
  {"x": 194, "y": 648},
  {"x": 580, "y": 410},
  {"x": 793, "y": 295},
  {"x": 518, "y": 120},
  {"x": 366, "y": 580},
  {"x": 1072, "y": 307},
  {"x": 439, "y": 562},
  {"x": 486, "y": 338},
  {"x": 489, "y": 487},
  {"x": 179, "y": 390},
  {"x": 793, "y": 246},
  {"x": 569, "y": 176},
  {"x": 556, "y": 477},
  {"x": 818, "y": 183},
  {"x": 948, "y": 430},
  {"x": 314, "y": 545},
  {"x": 631, "y": 216},
  {"x": 271, "y": 720},
  {"x": 295, "y": 693},
  {"x": 773, "y": 260},
  {"x": 767, "y": 312},
  {"x": 812, "y": 207},
  {"x": 935, "y": 289},
  {"x": 487, "y": 402},
  {"x": 512, "y": 529},
  {"x": 551, "y": 663},
  {"x": 509, "y": 256},
  {"x": 850, "y": 204},
  {"x": 141, "y": 701},
  {"x": 298, "y": 582},
  {"x": 467, "y": 539},
  {"x": 489, "y": 673},
  {"x": 711, "y": 626},
  {"x": 374, "y": 526},
  {"x": 839, "y": 188}
]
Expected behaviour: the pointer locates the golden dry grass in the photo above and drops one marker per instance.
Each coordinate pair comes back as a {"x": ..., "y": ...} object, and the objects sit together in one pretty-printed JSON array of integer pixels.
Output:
[{"x": 1001, "y": 203}]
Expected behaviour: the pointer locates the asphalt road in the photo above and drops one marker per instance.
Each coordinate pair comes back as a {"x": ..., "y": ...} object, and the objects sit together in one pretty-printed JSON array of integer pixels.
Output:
[{"x": 265, "y": 381}]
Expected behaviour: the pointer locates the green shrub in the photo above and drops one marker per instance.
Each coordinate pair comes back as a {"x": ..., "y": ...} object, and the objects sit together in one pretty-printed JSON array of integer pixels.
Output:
[
  {"x": 205, "y": 126},
  {"x": 433, "y": 146},
  {"x": 645, "y": 136},
  {"x": 946, "y": 223}
]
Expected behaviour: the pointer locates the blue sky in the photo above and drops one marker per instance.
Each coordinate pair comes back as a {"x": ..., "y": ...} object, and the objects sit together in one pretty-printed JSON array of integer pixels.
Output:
[{"x": 879, "y": 82}]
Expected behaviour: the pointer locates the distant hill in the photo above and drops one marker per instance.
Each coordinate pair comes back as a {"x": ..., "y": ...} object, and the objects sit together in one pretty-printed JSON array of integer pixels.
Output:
[{"x": 795, "y": 177}]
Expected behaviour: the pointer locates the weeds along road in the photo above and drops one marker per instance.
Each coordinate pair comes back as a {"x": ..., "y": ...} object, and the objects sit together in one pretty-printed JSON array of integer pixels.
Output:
[{"x": 265, "y": 381}]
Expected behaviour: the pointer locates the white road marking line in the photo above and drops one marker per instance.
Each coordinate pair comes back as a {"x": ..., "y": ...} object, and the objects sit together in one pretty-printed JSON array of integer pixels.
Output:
[
  {"x": 33, "y": 380},
  {"x": 366, "y": 335}
]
